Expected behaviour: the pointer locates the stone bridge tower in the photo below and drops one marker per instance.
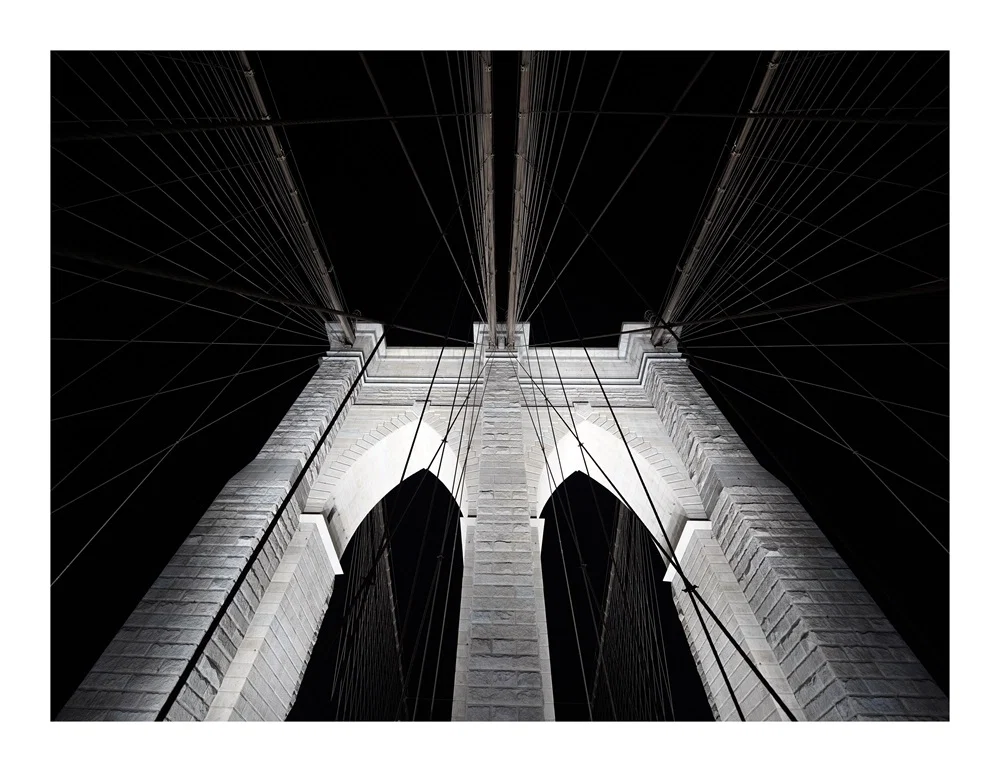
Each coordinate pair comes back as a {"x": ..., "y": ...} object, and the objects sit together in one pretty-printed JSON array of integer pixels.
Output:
[{"x": 226, "y": 631}]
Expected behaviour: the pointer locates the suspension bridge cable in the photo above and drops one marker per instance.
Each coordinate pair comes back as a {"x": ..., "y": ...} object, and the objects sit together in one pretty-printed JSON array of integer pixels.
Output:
[
  {"x": 219, "y": 126},
  {"x": 451, "y": 173},
  {"x": 420, "y": 185},
  {"x": 670, "y": 557},
  {"x": 159, "y": 452},
  {"x": 189, "y": 667},
  {"x": 187, "y": 304},
  {"x": 155, "y": 154},
  {"x": 206, "y": 229},
  {"x": 562, "y": 555},
  {"x": 840, "y": 437},
  {"x": 688, "y": 586},
  {"x": 621, "y": 185},
  {"x": 555, "y": 488},
  {"x": 846, "y": 447},
  {"x": 182, "y": 304},
  {"x": 792, "y": 191},
  {"x": 160, "y": 392},
  {"x": 832, "y": 361},
  {"x": 583, "y": 459},
  {"x": 572, "y": 181},
  {"x": 757, "y": 371},
  {"x": 730, "y": 206},
  {"x": 263, "y": 540},
  {"x": 456, "y": 496},
  {"x": 867, "y": 189}
]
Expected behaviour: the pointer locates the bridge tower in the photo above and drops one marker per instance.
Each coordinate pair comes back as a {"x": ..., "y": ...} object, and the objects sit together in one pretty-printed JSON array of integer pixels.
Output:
[{"x": 226, "y": 631}]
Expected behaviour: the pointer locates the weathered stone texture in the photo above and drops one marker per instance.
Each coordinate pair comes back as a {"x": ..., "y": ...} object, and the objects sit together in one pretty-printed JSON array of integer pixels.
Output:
[
  {"x": 502, "y": 671},
  {"x": 768, "y": 571},
  {"x": 265, "y": 674},
  {"x": 134, "y": 676},
  {"x": 706, "y": 567},
  {"x": 840, "y": 655}
]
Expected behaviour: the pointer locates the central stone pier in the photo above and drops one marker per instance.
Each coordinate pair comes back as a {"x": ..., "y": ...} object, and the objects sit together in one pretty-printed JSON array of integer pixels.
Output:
[{"x": 503, "y": 669}]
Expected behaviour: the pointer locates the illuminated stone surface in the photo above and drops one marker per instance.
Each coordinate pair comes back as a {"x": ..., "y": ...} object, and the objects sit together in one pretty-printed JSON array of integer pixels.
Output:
[{"x": 763, "y": 564}]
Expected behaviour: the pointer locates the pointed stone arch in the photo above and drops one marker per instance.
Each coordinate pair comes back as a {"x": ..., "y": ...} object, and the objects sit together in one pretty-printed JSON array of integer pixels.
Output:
[
  {"x": 236, "y": 610},
  {"x": 363, "y": 470},
  {"x": 604, "y": 444}
]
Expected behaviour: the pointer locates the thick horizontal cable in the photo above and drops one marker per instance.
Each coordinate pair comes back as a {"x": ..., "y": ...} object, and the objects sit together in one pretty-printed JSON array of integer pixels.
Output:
[
  {"x": 251, "y": 124},
  {"x": 842, "y": 444},
  {"x": 158, "y": 186},
  {"x": 181, "y": 388},
  {"x": 862, "y": 457},
  {"x": 703, "y": 358},
  {"x": 247, "y": 293},
  {"x": 310, "y": 334},
  {"x": 920, "y": 289},
  {"x": 923, "y": 289}
]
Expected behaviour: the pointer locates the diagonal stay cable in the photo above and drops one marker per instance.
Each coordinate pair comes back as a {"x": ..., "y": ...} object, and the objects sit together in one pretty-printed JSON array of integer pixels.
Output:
[
  {"x": 189, "y": 303},
  {"x": 832, "y": 361},
  {"x": 688, "y": 586},
  {"x": 247, "y": 293},
  {"x": 656, "y": 134},
  {"x": 127, "y": 193},
  {"x": 857, "y": 144},
  {"x": 583, "y": 458},
  {"x": 167, "y": 449},
  {"x": 840, "y": 439},
  {"x": 451, "y": 173},
  {"x": 451, "y": 566},
  {"x": 622, "y": 434},
  {"x": 317, "y": 336},
  {"x": 862, "y": 457},
  {"x": 569, "y": 189},
  {"x": 359, "y": 595},
  {"x": 670, "y": 557},
  {"x": 178, "y": 388},
  {"x": 701, "y": 335},
  {"x": 562, "y": 554},
  {"x": 276, "y": 517},
  {"x": 704, "y": 358},
  {"x": 420, "y": 184},
  {"x": 170, "y": 380}
]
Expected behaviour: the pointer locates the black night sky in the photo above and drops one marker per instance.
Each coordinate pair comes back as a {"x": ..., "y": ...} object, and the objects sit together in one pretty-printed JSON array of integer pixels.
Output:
[{"x": 126, "y": 490}]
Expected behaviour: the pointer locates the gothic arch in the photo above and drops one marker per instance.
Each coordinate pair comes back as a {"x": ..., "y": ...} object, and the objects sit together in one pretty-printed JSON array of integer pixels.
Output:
[
  {"x": 355, "y": 479},
  {"x": 605, "y": 446}
]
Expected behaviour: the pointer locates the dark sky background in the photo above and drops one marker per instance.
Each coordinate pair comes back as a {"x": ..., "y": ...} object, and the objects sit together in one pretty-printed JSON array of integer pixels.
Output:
[{"x": 120, "y": 510}]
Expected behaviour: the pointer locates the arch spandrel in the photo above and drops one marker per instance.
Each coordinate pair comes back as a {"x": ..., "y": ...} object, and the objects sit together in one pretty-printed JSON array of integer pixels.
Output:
[
  {"x": 354, "y": 480},
  {"x": 671, "y": 490}
]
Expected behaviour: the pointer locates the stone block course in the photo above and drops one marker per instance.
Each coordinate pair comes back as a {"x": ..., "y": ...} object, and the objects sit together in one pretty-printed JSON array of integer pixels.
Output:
[
  {"x": 781, "y": 559},
  {"x": 765, "y": 567},
  {"x": 503, "y": 560},
  {"x": 212, "y": 558}
]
